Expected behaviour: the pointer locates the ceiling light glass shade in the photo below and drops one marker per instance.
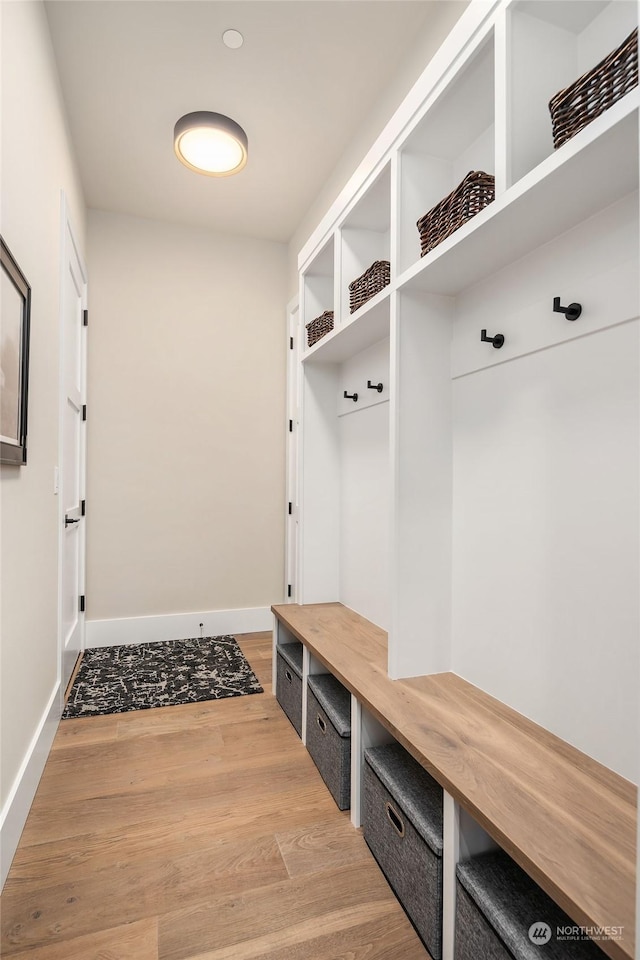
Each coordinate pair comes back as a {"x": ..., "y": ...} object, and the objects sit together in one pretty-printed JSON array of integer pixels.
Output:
[
  {"x": 210, "y": 143},
  {"x": 232, "y": 39}
]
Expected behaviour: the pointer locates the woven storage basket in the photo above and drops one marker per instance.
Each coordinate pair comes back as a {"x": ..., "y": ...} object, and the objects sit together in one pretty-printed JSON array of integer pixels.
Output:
[
  {"x": 594, "y": 92},
  {"x": 318, "y": 328},
  {"x": 372, "y": 281},
  {"x": 475, "y": 192}
]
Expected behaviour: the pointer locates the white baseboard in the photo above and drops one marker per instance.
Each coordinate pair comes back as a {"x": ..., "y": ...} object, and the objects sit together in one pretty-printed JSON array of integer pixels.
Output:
[
  {"x": 176, "y": 626},
  {"x": 18, "y": 803}
]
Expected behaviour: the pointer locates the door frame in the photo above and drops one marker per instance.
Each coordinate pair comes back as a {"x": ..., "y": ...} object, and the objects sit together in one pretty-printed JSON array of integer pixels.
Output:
[
  {"x": 292, "y": 533},
  {"x": 68, "y": 246}
]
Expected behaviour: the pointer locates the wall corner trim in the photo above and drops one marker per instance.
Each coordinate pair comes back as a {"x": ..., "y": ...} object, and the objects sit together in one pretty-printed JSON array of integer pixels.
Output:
[
  {"x": 176, "y": 626},
  {"x": 18, "y": 803}
]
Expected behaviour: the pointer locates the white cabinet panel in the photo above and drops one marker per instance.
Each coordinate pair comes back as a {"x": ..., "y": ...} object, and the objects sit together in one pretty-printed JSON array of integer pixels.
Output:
[{"x": 546, "y": 539}]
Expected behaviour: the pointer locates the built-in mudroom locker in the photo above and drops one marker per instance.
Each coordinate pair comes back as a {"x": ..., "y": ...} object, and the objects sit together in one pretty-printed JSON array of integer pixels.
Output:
[{"x": 468, "y": 466}]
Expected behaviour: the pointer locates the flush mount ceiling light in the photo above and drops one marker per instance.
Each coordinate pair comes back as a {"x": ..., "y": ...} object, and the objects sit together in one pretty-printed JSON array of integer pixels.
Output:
[{"x": 210, "y": 143}]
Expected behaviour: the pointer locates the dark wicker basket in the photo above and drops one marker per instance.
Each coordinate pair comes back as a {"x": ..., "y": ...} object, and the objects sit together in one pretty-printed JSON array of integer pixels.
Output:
[
  {"x": 475, "y": 192},
  {"x": 318, "y": 328},
  {"x": 372, "y": 281},
  {"x": 594, "y": 92}
]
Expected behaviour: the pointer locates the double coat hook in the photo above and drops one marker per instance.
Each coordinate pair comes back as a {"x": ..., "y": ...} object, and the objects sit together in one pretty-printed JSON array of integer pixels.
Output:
[
  {"x": 370, "y": 386},
  {"x": 572, "y": 312}
]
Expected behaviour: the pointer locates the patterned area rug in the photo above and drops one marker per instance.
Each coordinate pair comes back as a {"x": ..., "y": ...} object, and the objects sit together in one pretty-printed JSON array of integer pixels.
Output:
[{"x": 145, "y": 675}]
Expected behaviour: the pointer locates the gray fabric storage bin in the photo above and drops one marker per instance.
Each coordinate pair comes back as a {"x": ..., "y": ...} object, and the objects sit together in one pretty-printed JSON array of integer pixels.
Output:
[
  {"x": 497, "y": 904},
  {"x": 402, "y": 824},
  {"x": 329, "y": 734},
  {"x": 289, "y": 682}
]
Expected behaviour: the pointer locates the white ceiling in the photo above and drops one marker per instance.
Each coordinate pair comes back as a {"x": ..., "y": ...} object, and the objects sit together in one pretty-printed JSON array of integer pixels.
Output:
[{"x": 306, "y": 76}]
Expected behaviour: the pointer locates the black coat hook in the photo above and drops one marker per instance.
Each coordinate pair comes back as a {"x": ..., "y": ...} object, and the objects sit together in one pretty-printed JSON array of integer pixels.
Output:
[
  {"x": 497, "y": 341},
  {"x": 374, "y": 386},
  {"x": 572, "y": 312},
  {"x": 351, "y": 396}
]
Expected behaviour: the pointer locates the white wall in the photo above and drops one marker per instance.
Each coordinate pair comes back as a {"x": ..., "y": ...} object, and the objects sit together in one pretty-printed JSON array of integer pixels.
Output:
[
  {"x": 36, "y": 164},
  {"x": 186, "y": 419}
]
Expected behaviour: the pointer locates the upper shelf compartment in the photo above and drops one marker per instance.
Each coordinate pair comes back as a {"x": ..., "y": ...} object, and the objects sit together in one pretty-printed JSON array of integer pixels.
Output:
[
  {"x": 318, "y": 286},
  {"x": 594, "y": 169},
  {"x": 551, "y": 45},
  {"x": 365, "y": 236},
  {"x": 368, "y": 325},
  {"x": 456, "y": 135}
]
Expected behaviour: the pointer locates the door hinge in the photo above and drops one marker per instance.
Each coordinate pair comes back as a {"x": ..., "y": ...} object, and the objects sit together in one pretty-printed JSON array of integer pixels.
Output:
[
  {"x": 83, "y": 507},
  {"x": 290, "y": 343},
  {"x": 290, "y": 508},
  {"x": 82, "y": 600},
  {"x": 290, "y": 426},
  {"x": 84, "y": 411},
  {"x": 85, "y": 318},
  {"x": 288, "y": 589}
]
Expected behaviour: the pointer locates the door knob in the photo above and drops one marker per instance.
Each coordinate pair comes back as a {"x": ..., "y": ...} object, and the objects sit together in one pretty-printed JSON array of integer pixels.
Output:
[{"x": 68, "y": 520}]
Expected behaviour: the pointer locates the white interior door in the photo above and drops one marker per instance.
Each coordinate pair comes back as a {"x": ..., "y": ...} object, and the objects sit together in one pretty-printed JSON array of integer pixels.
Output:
[{"x": 72, "y": 462}]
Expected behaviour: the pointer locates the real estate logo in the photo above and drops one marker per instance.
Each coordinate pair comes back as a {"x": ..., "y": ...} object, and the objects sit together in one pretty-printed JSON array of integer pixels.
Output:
[{"x": 539, "y": 933}]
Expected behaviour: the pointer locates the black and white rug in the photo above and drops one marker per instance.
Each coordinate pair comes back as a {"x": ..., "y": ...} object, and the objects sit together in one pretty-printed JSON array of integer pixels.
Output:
[{"x": 164, "y": 674}]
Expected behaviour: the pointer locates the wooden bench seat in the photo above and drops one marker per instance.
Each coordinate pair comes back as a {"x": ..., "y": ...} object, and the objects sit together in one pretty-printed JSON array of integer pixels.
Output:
[{"x": 566, "y": 819}]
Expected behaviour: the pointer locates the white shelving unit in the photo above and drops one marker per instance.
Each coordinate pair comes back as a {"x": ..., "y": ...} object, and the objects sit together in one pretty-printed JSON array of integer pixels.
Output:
[{"x": 485, "y": 509}]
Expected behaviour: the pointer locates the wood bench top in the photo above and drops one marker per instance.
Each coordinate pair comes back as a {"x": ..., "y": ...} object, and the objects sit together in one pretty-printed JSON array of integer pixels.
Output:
[{"x": 566, "y": 819}]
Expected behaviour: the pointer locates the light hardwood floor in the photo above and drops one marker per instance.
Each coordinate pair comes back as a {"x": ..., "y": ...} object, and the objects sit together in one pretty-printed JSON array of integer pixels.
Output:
[{"x": 200, "y": 832}]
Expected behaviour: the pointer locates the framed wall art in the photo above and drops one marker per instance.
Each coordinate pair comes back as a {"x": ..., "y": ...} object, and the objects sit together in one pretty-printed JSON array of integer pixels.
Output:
[{"x": 15, "y": 309}]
